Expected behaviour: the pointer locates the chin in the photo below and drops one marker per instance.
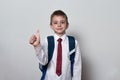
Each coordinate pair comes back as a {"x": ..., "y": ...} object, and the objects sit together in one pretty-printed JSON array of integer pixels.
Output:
[{"x": 60, "y": 33}]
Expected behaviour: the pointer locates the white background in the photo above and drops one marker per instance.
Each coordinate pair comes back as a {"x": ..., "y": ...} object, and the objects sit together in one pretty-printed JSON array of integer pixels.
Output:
[{"x": 94, "y": 23}]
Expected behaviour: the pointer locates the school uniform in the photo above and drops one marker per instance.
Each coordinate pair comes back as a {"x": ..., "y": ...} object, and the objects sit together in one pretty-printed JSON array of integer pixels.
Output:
[{"x": 42, "y": 55}]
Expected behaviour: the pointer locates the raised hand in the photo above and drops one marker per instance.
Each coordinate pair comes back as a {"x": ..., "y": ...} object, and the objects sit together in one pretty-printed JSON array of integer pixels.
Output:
[{"x": 35, "y": 39}]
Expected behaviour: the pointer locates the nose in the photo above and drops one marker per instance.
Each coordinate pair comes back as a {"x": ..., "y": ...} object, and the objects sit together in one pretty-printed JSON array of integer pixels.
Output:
[{"x": 59, "y": 24}]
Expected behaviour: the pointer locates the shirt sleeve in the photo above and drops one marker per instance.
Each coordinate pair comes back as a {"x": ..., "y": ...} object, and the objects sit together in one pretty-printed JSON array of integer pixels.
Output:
[
  {"x": 77, "y": 64},
  {"x": 41, "y": 53}
]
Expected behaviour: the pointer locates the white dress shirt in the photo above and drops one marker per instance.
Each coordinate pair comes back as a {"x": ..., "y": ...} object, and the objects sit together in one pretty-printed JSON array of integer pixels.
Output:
[{"x": 42, "y": 55}]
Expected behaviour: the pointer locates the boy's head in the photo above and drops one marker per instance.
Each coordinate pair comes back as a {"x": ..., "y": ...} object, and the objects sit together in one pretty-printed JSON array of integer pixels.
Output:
[
  {"x": 59, "y": 22},
  {"x": 58, "y": 13}
]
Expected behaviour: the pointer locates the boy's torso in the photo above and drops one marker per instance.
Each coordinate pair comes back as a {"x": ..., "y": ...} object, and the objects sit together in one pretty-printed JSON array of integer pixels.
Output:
[{"x": 66, "y": 72}]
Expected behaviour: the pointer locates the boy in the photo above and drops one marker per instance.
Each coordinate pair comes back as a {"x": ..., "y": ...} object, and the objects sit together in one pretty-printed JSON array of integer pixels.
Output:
[{"x": 59, "y": 66}]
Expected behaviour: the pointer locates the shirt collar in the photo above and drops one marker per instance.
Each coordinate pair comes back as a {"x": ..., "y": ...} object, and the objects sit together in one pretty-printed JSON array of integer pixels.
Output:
[{"x": 63, "y": 37}]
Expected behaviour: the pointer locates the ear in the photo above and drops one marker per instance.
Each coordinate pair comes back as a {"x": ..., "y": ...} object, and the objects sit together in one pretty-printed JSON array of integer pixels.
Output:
[{"x": 67, "y": 25}]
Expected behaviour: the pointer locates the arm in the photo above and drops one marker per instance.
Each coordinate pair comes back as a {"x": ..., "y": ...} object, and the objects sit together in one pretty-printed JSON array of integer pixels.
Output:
[
  {"x": 41, "y": 53},
  {"x": 40, "y": 50},
  {"x": 77, "y": 64}
]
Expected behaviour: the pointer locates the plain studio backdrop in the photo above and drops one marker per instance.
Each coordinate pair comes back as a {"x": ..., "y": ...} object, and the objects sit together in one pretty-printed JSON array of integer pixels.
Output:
[{"x": 94, "y": 23}]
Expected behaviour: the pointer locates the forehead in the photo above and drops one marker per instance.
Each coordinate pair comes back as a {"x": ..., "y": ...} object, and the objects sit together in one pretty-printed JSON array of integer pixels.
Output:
[{"x": 58, "y": 17}]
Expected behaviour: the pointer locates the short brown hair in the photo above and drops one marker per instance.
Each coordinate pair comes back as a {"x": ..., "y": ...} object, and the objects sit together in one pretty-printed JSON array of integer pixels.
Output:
[{"x": 58, "y": 13}]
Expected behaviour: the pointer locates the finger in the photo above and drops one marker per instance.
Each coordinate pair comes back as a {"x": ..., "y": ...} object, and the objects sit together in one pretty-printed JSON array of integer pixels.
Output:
[{"x": 32, "y": 39}]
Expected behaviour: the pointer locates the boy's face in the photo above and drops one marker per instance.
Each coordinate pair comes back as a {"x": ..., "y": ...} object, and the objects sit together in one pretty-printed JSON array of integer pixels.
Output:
[{"x": 59, "y": 25}]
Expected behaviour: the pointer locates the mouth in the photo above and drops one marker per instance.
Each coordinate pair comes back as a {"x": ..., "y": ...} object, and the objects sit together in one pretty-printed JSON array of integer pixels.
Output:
[{"x": 59, "y": 28}]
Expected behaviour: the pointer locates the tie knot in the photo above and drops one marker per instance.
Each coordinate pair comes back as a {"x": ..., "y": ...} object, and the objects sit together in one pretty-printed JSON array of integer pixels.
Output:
[{"x": 59, "y": 40}]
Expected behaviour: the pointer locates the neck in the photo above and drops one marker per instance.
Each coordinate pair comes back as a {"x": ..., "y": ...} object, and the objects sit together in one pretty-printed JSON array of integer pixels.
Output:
[{"x": 60, "y": 34}]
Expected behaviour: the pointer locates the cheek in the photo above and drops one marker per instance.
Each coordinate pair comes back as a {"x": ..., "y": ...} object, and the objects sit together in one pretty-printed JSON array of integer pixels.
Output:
[
  {"x": 66, "y": 27},
  {"x": 53, "y": 26}
]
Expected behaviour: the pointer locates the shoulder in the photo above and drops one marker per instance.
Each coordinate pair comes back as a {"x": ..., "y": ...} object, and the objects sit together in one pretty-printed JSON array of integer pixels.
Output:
[
  {"x": 73, "y": 38},
  {"x": 44, "y": 39},
  {"x": 50, "y": 37},
  {"x": 70, "y": 36}
]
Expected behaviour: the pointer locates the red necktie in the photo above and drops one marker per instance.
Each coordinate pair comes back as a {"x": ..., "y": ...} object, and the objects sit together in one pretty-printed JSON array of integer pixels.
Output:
[{"x": 59, "y": 58}]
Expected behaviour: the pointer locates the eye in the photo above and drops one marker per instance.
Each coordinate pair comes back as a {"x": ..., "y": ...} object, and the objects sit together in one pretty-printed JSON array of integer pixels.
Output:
[
  {"x": 63, "y": 22},
  {"x": 55, "y": 22}
]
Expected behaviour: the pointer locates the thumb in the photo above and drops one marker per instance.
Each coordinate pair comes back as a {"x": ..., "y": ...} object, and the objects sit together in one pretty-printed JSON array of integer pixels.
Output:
[{"x": 37, "y": 35}]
